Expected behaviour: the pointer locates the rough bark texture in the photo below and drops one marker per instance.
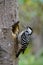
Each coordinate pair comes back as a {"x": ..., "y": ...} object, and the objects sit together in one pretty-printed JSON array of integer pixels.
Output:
[{"x": 8, "y": 47}]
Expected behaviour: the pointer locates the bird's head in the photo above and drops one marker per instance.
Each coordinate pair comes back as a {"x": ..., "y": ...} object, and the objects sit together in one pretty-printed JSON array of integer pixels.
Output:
[{"x": 29, "y": 29}]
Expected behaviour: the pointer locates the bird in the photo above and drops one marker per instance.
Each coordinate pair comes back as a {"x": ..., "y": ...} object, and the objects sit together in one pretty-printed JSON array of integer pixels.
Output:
[{"x": 24, "y": 39}]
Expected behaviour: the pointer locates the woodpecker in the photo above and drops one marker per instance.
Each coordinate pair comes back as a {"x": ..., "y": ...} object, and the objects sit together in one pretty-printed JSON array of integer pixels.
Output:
[{"x": 24, "y": 39}]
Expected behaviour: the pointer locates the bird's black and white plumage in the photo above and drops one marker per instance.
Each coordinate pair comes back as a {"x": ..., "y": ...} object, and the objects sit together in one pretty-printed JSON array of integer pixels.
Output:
[{"x": 24, "y": 38}]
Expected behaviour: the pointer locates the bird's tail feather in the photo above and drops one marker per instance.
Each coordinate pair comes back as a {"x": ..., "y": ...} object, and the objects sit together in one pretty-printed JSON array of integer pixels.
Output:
[{"x": 18, "y": 52}]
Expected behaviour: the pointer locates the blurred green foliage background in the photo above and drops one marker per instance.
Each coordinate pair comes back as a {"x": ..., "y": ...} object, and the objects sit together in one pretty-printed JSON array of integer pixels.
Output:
[{"x": 28, "y": 11}]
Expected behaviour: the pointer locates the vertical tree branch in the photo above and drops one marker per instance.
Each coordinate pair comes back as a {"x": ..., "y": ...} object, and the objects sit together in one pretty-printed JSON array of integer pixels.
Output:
[{"x": 8, "y": 13}]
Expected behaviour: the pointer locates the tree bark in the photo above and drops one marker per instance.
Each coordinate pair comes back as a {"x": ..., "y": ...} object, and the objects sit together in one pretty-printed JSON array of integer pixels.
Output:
[{"x": 8, "y": 47}]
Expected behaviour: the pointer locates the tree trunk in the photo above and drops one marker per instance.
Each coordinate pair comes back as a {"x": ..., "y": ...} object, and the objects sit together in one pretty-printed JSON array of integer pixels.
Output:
[{"x": 8, "y": 47}]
